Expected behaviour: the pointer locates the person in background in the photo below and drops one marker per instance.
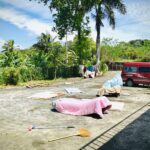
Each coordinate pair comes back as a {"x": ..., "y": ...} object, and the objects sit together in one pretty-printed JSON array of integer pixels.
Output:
[{"x": 89, "y": 72}]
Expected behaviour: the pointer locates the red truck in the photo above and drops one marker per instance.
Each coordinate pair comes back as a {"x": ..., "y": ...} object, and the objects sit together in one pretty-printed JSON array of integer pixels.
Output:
[{"x": 135, "y": 73}]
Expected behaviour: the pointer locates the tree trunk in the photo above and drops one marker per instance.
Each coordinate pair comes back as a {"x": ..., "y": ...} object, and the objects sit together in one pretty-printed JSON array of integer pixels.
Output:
[
  {"x": 98, "y": 47},
  {"x": 98, "y": 27},
  {"x": 79, "y": 42},
  {"x": 66, "y": 49},
  {"x": 55, "y": 72}
]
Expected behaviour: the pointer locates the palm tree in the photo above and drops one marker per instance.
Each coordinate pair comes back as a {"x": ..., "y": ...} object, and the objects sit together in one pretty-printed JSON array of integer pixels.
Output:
[
  {"x": 105, "y": 9},
  {"x": 11, "y": 54},
  {"x": 45, "y": 42},
  {"x": 8, "y": 46}
]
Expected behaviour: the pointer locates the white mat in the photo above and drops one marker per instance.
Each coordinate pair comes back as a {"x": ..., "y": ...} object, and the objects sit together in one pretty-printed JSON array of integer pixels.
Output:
[
  {"x": 117, "y": 106},
  {"x": 125, "y": 94},
  {"x": 73, "y": 90},
  {"x": 46, "y": 95}
]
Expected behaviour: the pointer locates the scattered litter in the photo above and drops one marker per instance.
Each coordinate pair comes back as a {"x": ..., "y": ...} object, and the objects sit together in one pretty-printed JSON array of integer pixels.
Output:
[
  {"x": 147, "y": 93},
  {"x": 46, "y": 95},
  {"x": 73, "y": 90},
  {"x": 125, "y": 94},
  {"x": 117, "y": 106},
  {"x": 38, "y": 142},
  {"x": 34, "y": 109},
  {"x": 31, "y": 127},
  {"x": 68, "y": 82},
  {"x": 28, "y": 86},
  {"x": 82, "y": 132}
]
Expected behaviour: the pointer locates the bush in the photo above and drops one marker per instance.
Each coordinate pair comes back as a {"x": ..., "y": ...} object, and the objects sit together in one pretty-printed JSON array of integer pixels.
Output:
[
  {"x": 31, "y": 73},
  {"x": 10, "y": 76},
  {"x": 145, "y": 58},
  {"x": 1, "y": 76},
  {"x": 64, "y": 72},
  {"x": 25, "y": 74},
  {"x": 103, "y": 67}
]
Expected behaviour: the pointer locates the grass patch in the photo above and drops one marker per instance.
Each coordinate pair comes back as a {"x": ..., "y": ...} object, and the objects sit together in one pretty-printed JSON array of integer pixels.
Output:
[{"x": 39, "y": 83}]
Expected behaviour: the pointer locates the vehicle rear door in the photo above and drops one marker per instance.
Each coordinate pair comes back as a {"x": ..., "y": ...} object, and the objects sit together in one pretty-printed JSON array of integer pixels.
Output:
[{"x": 144, "y": 72}]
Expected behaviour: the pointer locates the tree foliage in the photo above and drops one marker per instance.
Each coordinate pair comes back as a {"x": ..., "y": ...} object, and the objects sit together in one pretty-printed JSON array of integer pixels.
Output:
[
  {"x": 45, "y": 42},
  {"x": 8, "y": 46},
  {"x": 105, "y": 9},
  {"x": 35, "y": 63},
  {"x": 71, "y": 15}
]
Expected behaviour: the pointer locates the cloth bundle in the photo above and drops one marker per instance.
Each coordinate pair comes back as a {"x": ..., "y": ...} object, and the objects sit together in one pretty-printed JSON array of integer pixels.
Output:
[
  {"x": 112, "y": 90},
  {"x": 74, "y": 106},
  {"x": 115, "y": 81},
  {"x": 112, "y": 86}
]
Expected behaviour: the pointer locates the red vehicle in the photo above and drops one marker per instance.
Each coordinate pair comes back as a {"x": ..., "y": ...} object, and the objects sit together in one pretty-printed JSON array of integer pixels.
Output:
[{"x": 134, "y": 73}]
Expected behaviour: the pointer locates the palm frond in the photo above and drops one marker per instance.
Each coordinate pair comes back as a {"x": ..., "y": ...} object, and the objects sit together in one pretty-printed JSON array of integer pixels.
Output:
[
  {"x": 110, "y": 15},
  {"x": 116, "y": 4}
]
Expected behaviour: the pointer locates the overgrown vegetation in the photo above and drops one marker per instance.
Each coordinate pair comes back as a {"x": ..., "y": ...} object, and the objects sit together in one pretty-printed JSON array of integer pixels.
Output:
[{"x": 50, "y": 60}]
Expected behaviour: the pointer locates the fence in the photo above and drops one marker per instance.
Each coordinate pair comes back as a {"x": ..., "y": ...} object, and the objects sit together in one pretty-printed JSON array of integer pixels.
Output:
[{"x": 115, "y": 65}]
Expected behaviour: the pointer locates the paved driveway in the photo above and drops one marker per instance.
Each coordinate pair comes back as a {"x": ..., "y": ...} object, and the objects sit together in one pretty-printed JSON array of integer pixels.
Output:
[{"x": 17, "y": 112}]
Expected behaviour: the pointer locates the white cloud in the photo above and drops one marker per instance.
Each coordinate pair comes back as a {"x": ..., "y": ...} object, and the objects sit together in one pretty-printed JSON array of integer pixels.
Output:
[
  {"x": 31, "y": 7},
  {"x": 115, "y": 34},
  {"x": 134, "y": 25},
  {"x": 32, "y": 25},
  {"x": 121, "y": 35},
  {"x": 118, "y": 33},
  {"x": 139, "y": 11},
  {"x": 23, "y": 21},
  {"x": 136, "y": 12}
]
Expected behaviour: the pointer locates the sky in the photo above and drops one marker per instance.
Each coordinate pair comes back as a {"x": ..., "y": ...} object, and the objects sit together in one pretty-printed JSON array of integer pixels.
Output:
[{"x": 23, "y": 21}]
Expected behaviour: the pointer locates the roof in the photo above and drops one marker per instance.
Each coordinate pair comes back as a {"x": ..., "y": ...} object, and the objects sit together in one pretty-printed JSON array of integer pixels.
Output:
[{"x": 137, "y": 64}]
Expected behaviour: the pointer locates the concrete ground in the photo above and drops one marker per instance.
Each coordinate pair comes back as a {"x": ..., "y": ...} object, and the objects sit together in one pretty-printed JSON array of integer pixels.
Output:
[{"x": 18, "y": 111}]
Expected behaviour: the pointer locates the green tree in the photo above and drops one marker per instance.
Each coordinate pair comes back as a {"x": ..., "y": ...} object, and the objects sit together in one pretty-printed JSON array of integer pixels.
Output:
[
  {"x": 69, "y": 17},
  {"x": 70, "y": 13},
  {"x": 45, "y": 42},
  {"x": 109, "y": 42},
  {"x": 88, "y": 49},
  {"x": 136, "y": 43},
  {"x": 8, "y": 46},
  {"x": 105, "y": 9},
  {"x": 11, "y": 55}
]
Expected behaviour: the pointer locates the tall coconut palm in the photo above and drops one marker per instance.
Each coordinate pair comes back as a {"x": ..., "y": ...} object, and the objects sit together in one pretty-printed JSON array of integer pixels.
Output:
[{"x": 105, "y": 9}]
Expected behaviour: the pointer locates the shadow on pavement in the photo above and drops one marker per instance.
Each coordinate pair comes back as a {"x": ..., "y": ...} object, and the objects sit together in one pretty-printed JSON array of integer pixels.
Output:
[{"x": 135, "y": 136}]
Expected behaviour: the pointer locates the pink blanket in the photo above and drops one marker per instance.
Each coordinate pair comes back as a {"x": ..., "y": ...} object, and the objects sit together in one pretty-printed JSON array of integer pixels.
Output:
[{"x": 82, "y": 106}]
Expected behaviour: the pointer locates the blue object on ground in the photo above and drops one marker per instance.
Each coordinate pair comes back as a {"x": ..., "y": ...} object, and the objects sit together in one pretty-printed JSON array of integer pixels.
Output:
[{"x": 115, "y": 81}]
